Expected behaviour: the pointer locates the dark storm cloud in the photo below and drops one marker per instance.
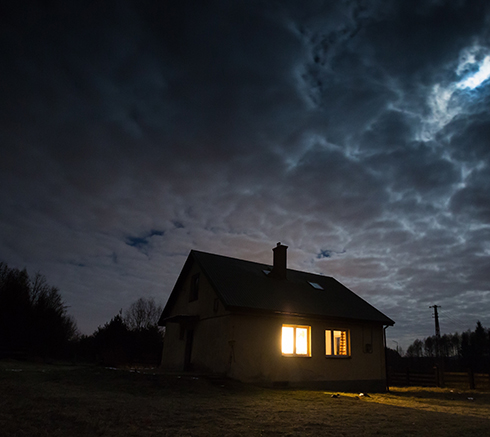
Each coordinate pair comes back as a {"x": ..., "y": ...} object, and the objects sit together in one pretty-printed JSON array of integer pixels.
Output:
[
  {"x": 412, "y": 40},
  {"x": 133, "y": 132},
  {"x": 472, "y": 201},
  {"x": 416, "y": 168},
  {"x": 468, "y": 139},
  {"x": 339, "y": 187}
]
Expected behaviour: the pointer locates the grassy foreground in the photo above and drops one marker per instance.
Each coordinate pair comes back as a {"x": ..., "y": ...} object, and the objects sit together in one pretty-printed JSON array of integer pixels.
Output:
[{"x": 55, "y": 400}]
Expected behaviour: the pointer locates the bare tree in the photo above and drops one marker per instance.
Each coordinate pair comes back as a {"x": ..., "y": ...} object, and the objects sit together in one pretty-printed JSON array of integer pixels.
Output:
[
  {"x": 430, "y": 347},
  {"x": 142, "y": 314},
  {"x": 415, "y": 349},
  {"x": 33, "y": 317}
]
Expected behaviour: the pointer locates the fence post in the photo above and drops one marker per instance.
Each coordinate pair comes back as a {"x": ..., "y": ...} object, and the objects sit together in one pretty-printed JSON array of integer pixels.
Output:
[
  {"x": 471, "y": 377},
  {"x": 441, "y": 373},
  {"x": 436, "y": 376}
]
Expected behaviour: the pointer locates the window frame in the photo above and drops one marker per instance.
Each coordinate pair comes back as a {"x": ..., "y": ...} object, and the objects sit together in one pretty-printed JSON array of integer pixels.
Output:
[
  {"x": 308, "y": 340},
  {"x": 331, "y": 332}
]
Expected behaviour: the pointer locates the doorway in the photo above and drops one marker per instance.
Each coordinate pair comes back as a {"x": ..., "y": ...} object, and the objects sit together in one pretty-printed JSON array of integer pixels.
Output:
[{"x": 189, "y": 338}]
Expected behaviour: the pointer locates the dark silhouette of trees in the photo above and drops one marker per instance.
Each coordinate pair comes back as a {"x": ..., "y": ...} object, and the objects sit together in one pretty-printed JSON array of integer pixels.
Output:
[
  {"x": 34, "y": 323},
  {"x": 430, "y": 346},
  {"x": 468, "y": 350},
  {"x": 129, "y": 338},
  {"x": 450, "y": 345},
  {"x": 416, "y": 349},
  {"x": 142, "y": 314},
  {"x": 33, "y": 317},
  {"x": 480, "y": 344},
  {"x": 475, "y": 348},
  {"x": 112, "y": 342}
]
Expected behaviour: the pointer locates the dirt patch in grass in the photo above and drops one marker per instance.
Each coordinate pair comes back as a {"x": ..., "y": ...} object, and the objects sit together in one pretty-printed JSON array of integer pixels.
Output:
[{"x": 43, "y": 400}]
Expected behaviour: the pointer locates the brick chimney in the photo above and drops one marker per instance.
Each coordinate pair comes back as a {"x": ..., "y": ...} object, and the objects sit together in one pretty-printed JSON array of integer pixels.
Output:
[{"x": 279, "y": 266}]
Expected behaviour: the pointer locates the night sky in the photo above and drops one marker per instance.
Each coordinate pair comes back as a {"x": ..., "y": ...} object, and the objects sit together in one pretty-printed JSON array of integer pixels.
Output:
[{"x": 355, "y": 132}]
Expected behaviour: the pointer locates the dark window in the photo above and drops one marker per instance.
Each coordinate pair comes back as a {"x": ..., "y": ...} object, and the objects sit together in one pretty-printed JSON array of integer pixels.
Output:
[{"x": 194, "y": 294}]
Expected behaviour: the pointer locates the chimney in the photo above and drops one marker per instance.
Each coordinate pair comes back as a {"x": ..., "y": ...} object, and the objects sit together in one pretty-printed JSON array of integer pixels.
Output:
[{"x": 280, "y": 262}]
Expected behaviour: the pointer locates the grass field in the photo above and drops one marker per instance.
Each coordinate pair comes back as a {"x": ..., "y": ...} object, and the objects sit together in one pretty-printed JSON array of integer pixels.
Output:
[{"x": 56, "y": 400}]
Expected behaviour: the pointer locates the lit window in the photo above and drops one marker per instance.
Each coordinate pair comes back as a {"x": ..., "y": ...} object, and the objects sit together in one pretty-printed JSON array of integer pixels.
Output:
[
  {"x": 337, "y": 343},
  {"x": 296, "y": 340}
]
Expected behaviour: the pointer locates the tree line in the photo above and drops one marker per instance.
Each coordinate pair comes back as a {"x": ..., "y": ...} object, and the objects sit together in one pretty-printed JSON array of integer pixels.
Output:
[
  {"x": 469, "y": 350},
  {"x": 131, "y": 337},
  {"x": 34, "y": 323}
]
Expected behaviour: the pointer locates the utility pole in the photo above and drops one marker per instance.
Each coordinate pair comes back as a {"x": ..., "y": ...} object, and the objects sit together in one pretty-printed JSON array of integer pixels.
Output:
[
  {"x": 436, "y": 317},
  {"x": 440, "y": 368}
]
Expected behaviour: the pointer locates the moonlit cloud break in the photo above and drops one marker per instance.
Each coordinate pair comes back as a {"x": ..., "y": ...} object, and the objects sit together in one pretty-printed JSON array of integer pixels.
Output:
[{"x": 475, "y": 80}]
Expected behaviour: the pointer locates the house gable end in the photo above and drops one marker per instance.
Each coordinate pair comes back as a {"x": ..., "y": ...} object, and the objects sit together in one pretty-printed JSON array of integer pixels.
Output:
[
  {"x": 167, "y": 310},
  {"x": 191, "y": 268}
]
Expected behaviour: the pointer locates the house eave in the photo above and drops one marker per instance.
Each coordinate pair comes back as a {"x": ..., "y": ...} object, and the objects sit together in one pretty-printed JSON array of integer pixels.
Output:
[
  {"x": 261, "y": 311},
  {"x": 183, "y": 319}
]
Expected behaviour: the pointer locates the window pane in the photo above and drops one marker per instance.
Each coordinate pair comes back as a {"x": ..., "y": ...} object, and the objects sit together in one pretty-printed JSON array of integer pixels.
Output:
[
  {"x": 287, "y": 340},
  {"x": 302, "y": 341},
  {"x": 340, "y": 342},
  {"x": 328, "y": 342},
  {"x": 343, "y": 343}
]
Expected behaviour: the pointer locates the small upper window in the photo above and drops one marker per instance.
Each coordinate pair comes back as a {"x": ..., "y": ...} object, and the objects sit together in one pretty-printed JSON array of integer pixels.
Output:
[
  {"x": 337, "y": 343},
  {"x": 194, "y": 292},
  {"x": 315, "y": 285}
]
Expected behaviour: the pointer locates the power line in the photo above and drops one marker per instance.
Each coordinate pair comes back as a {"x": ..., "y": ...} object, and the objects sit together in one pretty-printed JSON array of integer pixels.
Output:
[
  {"x": 454, "y": 317},
  {"x": 463, "y": 326}
]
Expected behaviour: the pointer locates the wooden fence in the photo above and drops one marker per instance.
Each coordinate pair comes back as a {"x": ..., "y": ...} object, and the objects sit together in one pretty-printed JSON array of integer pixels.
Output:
[{"x": 469, "y": 380}]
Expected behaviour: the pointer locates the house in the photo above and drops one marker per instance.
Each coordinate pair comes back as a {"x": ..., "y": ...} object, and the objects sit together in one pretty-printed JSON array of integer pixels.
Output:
[{"x": 272, "y": 325}]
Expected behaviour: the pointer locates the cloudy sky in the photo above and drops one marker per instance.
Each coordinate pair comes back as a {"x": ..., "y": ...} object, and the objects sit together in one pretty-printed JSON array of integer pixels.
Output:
[{"x": 355, "y": 132}]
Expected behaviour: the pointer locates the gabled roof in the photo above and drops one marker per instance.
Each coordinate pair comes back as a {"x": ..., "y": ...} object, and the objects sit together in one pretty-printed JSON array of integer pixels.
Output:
[{"x": 243, "y": 285}]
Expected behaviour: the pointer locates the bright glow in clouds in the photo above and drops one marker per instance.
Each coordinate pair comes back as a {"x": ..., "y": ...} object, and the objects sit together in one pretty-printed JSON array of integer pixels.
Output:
[
  {"x": 474, "y": 65},
  {"x": 477, "y": 78}
]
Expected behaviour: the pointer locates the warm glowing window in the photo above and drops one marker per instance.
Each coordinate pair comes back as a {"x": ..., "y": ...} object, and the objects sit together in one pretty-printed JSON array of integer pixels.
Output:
[
  {"x": 337, "y": 343},
  {"x": 296, "y": 340}
]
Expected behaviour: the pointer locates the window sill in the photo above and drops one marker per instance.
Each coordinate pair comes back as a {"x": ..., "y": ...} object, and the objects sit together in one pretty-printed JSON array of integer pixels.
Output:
[
  {"x": 338, "y": 357},
  {"x": 296, "y": 356}
]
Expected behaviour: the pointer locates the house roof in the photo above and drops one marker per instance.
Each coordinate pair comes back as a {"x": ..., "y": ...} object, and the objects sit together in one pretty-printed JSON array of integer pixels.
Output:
[{"x": 243, "y": 285}]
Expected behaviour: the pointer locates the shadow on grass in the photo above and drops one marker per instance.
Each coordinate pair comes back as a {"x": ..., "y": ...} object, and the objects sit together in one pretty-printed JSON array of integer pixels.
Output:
[{"x": 448, "y": 394}]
